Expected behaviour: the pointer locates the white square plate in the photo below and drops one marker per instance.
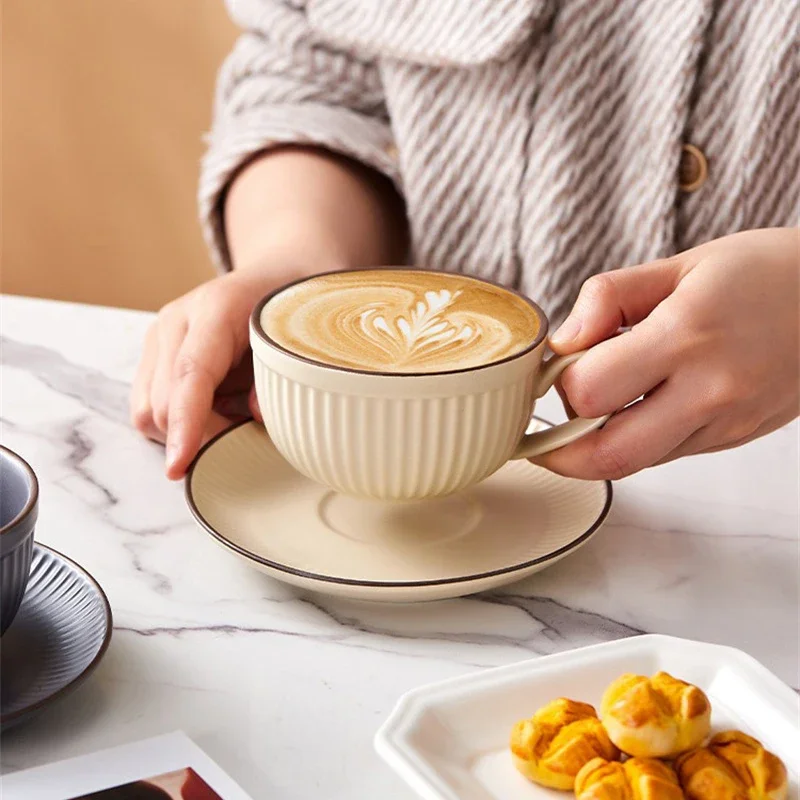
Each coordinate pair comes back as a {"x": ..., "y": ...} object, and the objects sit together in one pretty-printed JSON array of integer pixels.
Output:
[{"x": 449, "y": 741}]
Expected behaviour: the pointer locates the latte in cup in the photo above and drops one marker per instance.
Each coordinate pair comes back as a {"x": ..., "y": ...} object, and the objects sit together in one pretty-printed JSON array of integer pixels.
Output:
[
  {"x": 402, "y": 384},
  {"x": 400, "y": 321}
]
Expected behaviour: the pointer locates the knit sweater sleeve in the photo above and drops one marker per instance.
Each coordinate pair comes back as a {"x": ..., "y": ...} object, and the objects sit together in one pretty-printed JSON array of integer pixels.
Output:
[{"x": 282, "y": 85}]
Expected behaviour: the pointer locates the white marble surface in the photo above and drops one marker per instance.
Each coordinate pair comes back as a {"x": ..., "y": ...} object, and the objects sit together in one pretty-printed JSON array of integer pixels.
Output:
[{"x": 285, "y": 690}]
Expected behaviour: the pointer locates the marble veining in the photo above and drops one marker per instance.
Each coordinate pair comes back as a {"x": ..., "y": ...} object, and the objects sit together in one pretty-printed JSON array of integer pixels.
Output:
[{"x": 706, "y": 548}]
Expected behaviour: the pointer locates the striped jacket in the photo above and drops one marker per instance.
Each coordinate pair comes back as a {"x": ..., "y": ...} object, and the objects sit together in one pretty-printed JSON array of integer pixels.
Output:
[{"x": 535, "y": 142}]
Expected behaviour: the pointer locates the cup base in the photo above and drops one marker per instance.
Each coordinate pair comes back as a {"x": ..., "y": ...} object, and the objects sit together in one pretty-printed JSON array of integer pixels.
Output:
[{"x": 420, "y": 522}]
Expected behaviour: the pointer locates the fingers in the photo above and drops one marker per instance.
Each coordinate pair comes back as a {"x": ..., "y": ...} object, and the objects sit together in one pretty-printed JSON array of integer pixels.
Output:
[
  {"x": 570, "y": 411},
  {"x": 198, "y": 369},
  {"x": 612, "y": 300},
  {"x": 141, "y": 408},
  {"x": 637, "y": 437},
  {"x": 171, "y": 333},
  {"x": 194, "y": 355},
  {"x": 622, "y": 369}
]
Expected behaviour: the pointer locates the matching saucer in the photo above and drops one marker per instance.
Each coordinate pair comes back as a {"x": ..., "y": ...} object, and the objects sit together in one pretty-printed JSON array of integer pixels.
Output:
[
  {"x": 58, "y": 636},
  {"x": 516, "y": 522}
]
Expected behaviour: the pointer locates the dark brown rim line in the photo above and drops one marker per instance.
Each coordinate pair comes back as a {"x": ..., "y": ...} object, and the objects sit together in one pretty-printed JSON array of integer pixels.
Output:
[
  {"x": 91, "y": 666},
  {"x": 255, "y": 324},
  {"x": 300, "y": 573},
  {"x": 31, "y": 502}
]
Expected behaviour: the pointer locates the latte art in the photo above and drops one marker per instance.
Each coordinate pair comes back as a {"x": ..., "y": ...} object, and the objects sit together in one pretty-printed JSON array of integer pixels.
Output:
[
  {"x": 426, "y": 330},
  {"x": 400, "y": 321}
]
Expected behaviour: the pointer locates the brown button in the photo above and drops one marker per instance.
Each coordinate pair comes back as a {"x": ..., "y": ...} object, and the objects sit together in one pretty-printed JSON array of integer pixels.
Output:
[
  {"x": 391, "y": 151},
  {"x": 693, "y": 169}
]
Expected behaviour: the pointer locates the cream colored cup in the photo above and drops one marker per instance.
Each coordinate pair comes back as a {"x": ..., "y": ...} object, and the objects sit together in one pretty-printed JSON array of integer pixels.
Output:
[{"x": 406, "y": 436}]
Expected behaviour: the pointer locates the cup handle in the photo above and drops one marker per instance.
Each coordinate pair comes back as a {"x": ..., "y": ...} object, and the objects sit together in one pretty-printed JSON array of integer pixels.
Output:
[{"x": 535, "y": 444}]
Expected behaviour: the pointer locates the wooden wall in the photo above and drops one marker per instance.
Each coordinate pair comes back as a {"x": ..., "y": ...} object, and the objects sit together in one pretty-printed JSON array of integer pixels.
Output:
[{"x": 104, "y": 103}]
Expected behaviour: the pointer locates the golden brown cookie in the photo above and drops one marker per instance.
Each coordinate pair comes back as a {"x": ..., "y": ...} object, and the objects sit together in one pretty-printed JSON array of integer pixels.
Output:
[
  {"x": 658, "y": 717},
  {"x": 636, "y": 779},
  {"x": 733, "y": 766},
  {"x": 552, "y": 746}
]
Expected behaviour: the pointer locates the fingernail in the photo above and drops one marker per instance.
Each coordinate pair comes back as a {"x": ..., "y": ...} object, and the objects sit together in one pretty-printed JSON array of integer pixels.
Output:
[{"x": 567, "y": 332}]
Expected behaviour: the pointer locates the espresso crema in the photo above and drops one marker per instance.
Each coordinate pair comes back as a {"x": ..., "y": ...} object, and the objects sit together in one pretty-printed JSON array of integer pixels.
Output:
[{"x": 402, "y": 321}]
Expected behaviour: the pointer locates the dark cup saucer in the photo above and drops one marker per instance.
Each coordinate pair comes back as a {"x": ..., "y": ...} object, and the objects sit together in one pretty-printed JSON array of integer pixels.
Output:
[{"x": 57, "y": 638}]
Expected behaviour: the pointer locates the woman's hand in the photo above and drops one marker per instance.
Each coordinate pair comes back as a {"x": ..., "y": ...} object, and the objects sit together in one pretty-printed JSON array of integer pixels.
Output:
[
  {"x": 290, "y": 213},
  {"x": 712, "y": 352},
  {"x": 196, "y": 359}
]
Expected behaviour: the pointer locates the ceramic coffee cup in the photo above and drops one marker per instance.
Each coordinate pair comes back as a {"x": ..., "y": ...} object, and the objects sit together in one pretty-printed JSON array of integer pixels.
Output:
[
  {"x": 19, "y": 506},
  {"x": 406, "y": 436}
]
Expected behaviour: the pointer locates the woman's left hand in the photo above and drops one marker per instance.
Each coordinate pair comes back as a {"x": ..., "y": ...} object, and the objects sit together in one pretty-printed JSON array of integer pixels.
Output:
[{"x": 712, "y": 357}]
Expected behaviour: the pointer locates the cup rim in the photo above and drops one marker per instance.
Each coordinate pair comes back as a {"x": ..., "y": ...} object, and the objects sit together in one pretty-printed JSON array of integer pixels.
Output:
[
  {"x": 257, "y": 328},
  {"x": 33, "y": 498}
]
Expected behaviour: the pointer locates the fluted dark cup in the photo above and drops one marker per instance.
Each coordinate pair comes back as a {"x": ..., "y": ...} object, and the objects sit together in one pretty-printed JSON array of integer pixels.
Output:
[{"x": 19, "y": 507}]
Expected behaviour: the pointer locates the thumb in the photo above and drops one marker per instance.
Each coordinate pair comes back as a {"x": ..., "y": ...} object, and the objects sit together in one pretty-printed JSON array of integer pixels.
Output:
[{"x": 613, "y": 300}]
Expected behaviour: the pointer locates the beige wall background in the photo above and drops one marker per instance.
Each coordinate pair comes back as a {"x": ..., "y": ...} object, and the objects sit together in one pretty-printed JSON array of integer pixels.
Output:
[{"x": 104, "y": 103}]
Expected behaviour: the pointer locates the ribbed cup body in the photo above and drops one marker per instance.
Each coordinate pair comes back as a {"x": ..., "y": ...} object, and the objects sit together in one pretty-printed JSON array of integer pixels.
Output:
[
  {"x": 394, "y": 437},
  {"x": 19, "y": 508},
  {"x": 14, "y": 569}
]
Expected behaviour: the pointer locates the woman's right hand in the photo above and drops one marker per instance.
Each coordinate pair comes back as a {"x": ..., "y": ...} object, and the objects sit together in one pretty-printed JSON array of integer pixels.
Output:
[{"x": 197, "y": 359}]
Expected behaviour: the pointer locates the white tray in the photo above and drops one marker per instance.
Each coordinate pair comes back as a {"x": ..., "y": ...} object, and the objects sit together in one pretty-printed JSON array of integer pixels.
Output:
[{"x": 449, "y": 741}]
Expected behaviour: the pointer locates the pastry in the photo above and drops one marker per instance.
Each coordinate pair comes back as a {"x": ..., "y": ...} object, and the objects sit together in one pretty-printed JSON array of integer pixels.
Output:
[
  {"x": 733, "y": 766},
  {"x": 552, "y": 746},
  {"x": 636, "y": 779},
  {"x": 656, "y": 717}
]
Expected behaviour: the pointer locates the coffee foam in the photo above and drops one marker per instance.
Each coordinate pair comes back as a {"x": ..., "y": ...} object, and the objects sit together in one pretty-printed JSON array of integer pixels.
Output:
[{"x": 400, "y": 321}]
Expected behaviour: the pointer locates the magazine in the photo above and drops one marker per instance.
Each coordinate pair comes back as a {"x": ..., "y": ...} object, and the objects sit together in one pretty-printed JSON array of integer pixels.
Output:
[{"x": 169, "y": 767}]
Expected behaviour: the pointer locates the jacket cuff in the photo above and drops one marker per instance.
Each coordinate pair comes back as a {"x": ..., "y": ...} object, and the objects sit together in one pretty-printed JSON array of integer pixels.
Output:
[{"x": 236, "y": 140}]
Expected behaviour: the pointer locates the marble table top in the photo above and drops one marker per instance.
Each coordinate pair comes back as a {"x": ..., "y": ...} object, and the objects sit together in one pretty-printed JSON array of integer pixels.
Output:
[{"x": 285, "y": 690}]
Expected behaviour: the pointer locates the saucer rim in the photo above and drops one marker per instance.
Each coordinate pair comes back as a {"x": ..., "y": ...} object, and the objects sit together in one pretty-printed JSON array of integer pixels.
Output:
[
  {"x": 340, "y": 581},
  {"x": 11, "y": 718}
]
